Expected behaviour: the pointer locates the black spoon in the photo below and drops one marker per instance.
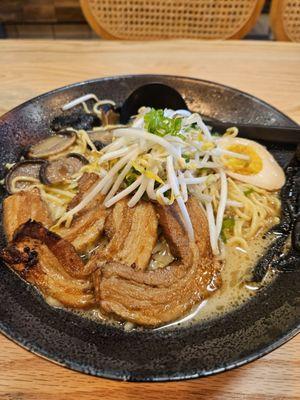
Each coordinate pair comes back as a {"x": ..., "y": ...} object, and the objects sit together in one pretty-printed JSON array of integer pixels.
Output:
[
  {"x": 158, "y": 95},
  {"x": 154, "y": 95},
  {"x": 275, "y": 134}
]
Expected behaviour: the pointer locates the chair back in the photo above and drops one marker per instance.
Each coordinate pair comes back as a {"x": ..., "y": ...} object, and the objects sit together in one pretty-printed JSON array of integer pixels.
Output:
[
  {"x": 166, "y": 19},
  {"x": 285, "y": 20}
]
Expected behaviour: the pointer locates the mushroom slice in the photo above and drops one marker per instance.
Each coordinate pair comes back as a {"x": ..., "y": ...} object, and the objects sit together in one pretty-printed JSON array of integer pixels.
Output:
[
  {"x": 23, "y": 174},
  {"x": 100, "y": 138},
  {"x": 57, "y": 171},
  {"x": 52, "y": 145}
]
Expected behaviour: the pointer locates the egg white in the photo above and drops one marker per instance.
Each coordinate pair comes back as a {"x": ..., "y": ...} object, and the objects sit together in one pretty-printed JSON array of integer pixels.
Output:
[{"x": 271, "y": 176}]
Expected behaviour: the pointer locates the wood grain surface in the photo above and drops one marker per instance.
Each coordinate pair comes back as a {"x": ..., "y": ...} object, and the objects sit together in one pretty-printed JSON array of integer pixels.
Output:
[{"x": 270, "y": 71}]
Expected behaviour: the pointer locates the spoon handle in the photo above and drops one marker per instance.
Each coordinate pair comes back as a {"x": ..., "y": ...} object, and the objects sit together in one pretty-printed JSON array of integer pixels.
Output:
[{"x": 259, "y": 132}]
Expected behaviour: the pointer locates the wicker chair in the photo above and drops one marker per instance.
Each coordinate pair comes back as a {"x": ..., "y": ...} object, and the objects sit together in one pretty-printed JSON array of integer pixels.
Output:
[
  {"x": 285, "y": 20},
  {"x": 166, "y": 19}
]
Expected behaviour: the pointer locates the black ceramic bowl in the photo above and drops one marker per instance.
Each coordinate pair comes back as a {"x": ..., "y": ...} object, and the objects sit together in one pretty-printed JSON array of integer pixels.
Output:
[{"x": 265, "y": 322}]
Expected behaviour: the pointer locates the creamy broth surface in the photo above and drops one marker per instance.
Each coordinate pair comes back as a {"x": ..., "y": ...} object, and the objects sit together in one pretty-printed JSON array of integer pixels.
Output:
[{"x": 236, "y": 273}]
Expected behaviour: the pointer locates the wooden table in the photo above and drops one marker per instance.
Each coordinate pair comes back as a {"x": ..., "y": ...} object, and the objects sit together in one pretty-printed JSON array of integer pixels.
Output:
[{"x": 270, "y": 71}]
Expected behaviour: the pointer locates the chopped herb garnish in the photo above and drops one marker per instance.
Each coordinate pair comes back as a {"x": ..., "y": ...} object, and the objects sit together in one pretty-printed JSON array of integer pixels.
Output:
[
  {"x": 203, "y": 171},
  {"x": 158, "y": 124},
  {"x": 227, "y": 226},
  {"x": 186, "y": 157},
  {"x": 248, "y": 191},
  {"x": 168, "y": 194},
  {"x": 223, "y": 237},
  {"x": 228, "y": 223},
  {"x": 131, "y": 177}
]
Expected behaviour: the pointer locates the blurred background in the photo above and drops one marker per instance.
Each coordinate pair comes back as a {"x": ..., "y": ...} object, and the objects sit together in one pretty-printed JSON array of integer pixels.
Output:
[{"x": 64, "y": 19}]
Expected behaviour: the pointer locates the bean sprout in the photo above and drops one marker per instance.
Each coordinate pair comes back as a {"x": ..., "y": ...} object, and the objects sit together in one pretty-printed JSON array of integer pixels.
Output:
[
  {"x": 174, "y": 185},
  {"x": 167, "y": 158}
]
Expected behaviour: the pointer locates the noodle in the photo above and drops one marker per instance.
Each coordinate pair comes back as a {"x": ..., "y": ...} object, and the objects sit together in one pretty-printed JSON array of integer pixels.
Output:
[{"x": 260, "y": 210}]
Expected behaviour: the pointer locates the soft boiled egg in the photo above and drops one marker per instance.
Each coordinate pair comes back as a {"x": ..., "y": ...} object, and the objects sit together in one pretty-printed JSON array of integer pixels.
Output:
[{"x": 260, "y": 169}]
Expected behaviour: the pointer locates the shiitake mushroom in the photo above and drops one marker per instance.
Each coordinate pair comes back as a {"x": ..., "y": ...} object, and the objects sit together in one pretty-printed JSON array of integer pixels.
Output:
[
  {"x": 52, "y": 145},
  {"x": 57, "y": 171},
  {"x": 28, "y": 168},
  {"x": 100, "y": 138},
  {"x": 47, "y": 172},
  {"x": 80, "y": 157}
]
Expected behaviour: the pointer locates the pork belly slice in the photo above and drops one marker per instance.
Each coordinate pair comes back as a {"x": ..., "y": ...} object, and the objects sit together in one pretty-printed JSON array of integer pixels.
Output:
[
  {"x": 85, "y": 183},
  {"x": 132, "y": 233},
  {"x": 50, "y": 263},
  {"x": 22, "y": 206},
  {"x": 173, "y": 229},
  {"x": 88, "y": 224},
  {"x": 152, "y": 298}
]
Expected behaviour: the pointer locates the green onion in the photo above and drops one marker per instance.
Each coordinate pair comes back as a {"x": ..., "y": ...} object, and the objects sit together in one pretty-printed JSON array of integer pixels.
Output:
[
  {"x": 131, "y": 177},
  {"x": 203, "y": 171},
  {"x": 248, "y": 191},
  {"x": 227, "y": 225},
  {"x": 186, "y": 157},
  {"x": 168, "y": 194},
  {"x": 158, "y": 124}
]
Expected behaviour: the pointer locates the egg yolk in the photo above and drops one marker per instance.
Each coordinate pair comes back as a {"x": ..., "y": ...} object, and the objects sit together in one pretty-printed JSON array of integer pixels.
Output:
[{"x": 244, "y": 167}]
